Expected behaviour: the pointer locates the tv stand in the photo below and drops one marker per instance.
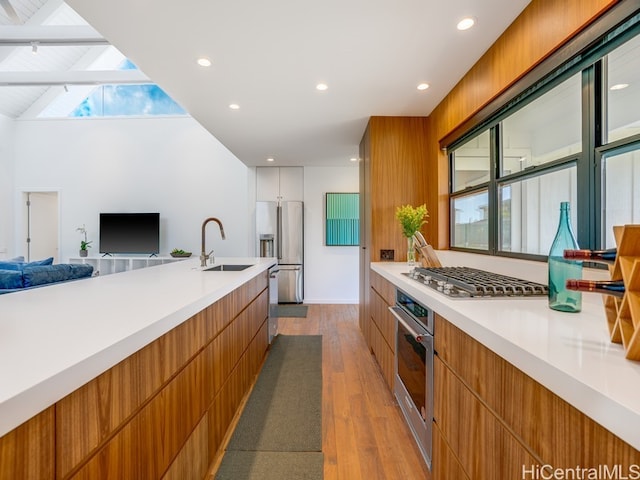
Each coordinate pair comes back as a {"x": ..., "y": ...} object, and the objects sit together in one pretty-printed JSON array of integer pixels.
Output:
[{"x": 106, "y": 265}]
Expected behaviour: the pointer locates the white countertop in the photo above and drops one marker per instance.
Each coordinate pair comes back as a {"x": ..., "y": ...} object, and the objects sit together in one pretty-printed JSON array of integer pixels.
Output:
[
  {"x": 569, "y": 353},
  {"x": 56, "y": 338}
]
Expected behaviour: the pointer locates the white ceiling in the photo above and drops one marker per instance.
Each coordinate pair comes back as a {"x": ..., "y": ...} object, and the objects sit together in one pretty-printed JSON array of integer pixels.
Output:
[{"x": 268, "y": 57}]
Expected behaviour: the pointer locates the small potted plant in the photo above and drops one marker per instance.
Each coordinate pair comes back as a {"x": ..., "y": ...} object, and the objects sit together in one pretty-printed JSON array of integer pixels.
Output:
[
  {"x": 411, "y": 219},
  {"x": 84, "y": 244},
  {"x": 179, "y": 253}
]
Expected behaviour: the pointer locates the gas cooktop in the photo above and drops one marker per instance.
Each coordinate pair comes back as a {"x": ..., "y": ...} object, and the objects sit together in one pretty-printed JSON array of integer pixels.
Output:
[{"x": 466, "y": 282}]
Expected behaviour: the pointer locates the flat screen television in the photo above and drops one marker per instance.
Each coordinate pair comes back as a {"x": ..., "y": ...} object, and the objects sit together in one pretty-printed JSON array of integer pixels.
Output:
[{"x": 130, "y": 233}]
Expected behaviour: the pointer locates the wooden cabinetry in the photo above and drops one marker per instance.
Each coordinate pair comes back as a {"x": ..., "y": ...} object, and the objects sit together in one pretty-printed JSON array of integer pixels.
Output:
[
  {"x": 285, "y": 183},
  {"x": 492, "y": 420},
  {"x": 28, "y": 452},
  {"x": 160, "y": 413},
  {"x": 382, "y": 326},
  {"x": 393, "y": 172}
]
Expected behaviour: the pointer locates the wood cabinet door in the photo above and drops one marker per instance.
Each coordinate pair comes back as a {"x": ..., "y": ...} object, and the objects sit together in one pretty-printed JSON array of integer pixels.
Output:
[
  {"x": 27, "y": 452},
  {"x": 444, "y": 464},
  {"x": 482, "y": 444}
]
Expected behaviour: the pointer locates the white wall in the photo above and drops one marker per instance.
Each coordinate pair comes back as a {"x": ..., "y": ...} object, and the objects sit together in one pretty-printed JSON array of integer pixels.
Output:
[
  {"x": 7, "y": 213},
  {"x": 167, "y": 165},
  {"x": 331, "y": 273}
]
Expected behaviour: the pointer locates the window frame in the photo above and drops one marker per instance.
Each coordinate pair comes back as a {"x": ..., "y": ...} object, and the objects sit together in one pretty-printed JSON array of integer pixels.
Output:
[{"x": 591, "y": 64}]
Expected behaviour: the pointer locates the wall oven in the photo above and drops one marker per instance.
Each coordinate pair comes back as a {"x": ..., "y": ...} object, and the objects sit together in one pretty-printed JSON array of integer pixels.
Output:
[{"x": 413, "y": 386}]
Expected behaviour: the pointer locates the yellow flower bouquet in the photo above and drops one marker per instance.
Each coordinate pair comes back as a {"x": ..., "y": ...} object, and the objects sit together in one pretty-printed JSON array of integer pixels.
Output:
[{"x": 411, "y": 218}]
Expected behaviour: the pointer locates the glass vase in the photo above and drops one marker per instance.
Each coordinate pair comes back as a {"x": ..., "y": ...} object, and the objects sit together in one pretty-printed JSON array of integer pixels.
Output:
[
  {"x": 560, "y": 269},
  {"x": 411, "y": 252}
]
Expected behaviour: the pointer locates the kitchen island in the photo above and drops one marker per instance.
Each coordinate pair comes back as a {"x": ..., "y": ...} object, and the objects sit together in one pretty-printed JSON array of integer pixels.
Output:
[
  {"x": 564, "y": 357},
  {"x": 98, "y": 365}
]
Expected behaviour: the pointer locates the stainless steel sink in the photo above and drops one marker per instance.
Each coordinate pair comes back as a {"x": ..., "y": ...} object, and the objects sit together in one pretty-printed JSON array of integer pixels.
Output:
[{"x": 227, "y": 267}]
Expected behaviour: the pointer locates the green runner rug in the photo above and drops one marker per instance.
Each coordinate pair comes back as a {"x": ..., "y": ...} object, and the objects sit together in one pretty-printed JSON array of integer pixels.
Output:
[{"x": 279, "y": 434}]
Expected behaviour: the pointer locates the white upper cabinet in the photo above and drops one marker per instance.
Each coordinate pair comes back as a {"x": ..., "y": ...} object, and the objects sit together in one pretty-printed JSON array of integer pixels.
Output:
[
  {"x": 267, "y": 183},
  {"x": 284, "y": 183}
]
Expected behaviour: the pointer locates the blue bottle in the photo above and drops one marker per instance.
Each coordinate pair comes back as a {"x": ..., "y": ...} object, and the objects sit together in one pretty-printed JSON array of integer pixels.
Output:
[{"x": 561, "y": 270}]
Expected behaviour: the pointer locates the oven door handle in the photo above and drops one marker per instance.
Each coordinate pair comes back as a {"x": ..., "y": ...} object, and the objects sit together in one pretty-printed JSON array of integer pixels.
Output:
[{"x": 398, "y": 313}]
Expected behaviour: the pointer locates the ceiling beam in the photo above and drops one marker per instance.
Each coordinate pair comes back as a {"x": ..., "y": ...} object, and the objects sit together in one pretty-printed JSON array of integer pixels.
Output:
[
  {"x": 74, "y": 77},
  {"x": 51, "y": 35}
]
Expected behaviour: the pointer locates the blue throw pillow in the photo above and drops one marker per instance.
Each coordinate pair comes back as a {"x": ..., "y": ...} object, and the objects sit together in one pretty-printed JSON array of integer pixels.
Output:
[
  {"x": 10, "y": 279},
  {"x": 35, "y": 263},
  {"x": 80, "y": 270},
  {"x": 8, "y": 265},
  {"x": 16, "y": 264},
  {"x": 43, "y": 274}
]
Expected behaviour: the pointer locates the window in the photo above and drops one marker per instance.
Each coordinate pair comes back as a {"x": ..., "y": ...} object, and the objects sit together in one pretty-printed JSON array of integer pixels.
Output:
[
  {"x": 471, "y": 163},
  {"x": 530, "y": 208},
  {"x": 623, "y": 91},
  {"x": 621, "y": 190},
  {"x": 510, "y": 174},
  {"x": 471, "y": 220},
  {"x": 535, "y": 171},
  {"x": 122, "y": 100},
  {"x": 112, "y": 100},
  {"x": 547, "y": 129}
]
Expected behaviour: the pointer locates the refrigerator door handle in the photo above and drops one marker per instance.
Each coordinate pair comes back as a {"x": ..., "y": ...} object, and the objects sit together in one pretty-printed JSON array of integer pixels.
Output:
[{"x": 279, "y": 230}]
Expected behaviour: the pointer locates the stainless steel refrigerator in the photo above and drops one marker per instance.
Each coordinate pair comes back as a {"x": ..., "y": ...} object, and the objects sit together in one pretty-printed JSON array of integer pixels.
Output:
[{"x": 279, "y": 228}]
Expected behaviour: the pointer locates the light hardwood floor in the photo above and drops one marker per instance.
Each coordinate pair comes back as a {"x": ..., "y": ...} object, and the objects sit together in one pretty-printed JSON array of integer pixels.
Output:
[{"x": 363, "y": 433}]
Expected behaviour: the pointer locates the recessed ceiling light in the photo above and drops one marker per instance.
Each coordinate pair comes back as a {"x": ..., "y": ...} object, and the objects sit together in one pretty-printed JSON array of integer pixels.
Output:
[
  {"x": 423, "y": 86},
  {"x": 466, "y": 23},
  {"x": 322, "y": 87},
  {"x": 353, "y": 159},
  {"x": 204, "y": 62},
  {"x": 234, "y": 106},
  {"x": 619, "y": 86},
  {"x": 270, "y": 159}
]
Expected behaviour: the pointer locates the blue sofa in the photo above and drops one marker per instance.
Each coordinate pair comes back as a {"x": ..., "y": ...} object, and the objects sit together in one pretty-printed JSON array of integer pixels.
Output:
[{"x": 17, "y": 275}]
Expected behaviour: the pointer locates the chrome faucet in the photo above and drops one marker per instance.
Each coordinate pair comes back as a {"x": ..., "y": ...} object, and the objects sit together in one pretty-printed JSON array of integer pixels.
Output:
[{"x": 204, "y": 256}]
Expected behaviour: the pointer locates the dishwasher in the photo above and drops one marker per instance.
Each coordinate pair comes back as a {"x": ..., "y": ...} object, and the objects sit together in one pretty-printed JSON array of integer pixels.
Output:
[{"x": 273, "y": 302}]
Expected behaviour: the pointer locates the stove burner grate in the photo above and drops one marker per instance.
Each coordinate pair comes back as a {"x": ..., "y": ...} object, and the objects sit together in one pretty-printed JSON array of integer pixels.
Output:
[{"x": 471, "y": 282}]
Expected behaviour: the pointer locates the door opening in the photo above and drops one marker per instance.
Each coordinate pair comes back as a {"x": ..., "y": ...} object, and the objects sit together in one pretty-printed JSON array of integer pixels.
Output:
[{"x": 40, "y": 220}]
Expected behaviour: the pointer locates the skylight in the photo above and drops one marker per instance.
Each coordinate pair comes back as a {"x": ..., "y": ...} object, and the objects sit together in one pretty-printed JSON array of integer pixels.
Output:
[
  {"x": 113, "y": 100},
  {"x": 126, "y": 100},
  {"x": 78, "y": 76}
]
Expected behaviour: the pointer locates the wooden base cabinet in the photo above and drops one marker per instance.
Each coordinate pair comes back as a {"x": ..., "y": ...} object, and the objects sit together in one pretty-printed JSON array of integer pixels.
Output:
[
  {"x": 493, "y": 421},
  {"x": 160, "y": 413},
  {"x": 482, "y": 444},
  {"x": 28, "y": 451},
  {"x": 444, "y": 463},
  {"x": 382, "y": 326}
]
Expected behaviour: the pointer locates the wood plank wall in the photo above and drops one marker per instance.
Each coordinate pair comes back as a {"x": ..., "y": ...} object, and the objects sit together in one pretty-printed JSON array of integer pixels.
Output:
[
  {"x": 543, "y": 27},
  {"x": 398, "y": 159}
]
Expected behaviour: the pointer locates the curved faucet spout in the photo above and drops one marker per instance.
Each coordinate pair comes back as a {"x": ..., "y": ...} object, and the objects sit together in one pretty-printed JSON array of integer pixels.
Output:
[{"x": 203, "y": 254}]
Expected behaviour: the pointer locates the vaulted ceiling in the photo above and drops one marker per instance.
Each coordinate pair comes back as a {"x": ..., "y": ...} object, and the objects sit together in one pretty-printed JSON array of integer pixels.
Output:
[{"x": 267, "y": 58}]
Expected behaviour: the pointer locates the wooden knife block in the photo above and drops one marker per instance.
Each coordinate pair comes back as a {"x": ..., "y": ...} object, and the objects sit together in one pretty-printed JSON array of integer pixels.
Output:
[
  {"x": 623, "y": 315},
  {"x": 428, "y": 257}
]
